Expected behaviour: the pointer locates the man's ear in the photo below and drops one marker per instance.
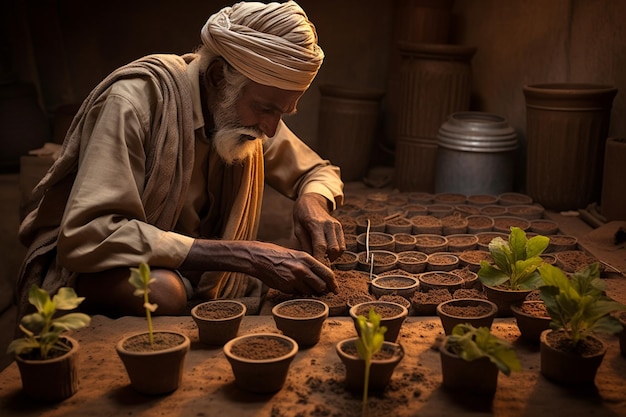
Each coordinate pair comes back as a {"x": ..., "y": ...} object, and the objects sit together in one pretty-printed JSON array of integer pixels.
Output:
[{"x": 214, "y": 74}]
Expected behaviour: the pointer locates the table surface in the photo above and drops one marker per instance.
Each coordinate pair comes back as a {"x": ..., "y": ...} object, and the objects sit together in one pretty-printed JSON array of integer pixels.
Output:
[{"x": 315, "y": 382}]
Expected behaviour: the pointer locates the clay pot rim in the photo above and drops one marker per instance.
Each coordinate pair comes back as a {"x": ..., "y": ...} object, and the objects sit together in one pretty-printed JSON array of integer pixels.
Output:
[
  {"x": 119, "y": 346},
  {"x": 443, "y": 285},
  {"x": 515, "y": 307},
  {"x": 241, "y": 313},
  {"x": 403, "y": 313},
  {"x": 397, "y": 348},
  {"x": 324, "y": 313},
  {"x": 376, "y": 282},
  {"x": 73, "y": 342},
  {"x": 493, "y": 311},
  {"x": 241, "y": 339}
]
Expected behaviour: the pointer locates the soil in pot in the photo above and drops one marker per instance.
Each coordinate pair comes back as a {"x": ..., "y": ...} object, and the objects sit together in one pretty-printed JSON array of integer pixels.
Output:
[
  {"x": 453, "y": 224},
  {"x": 529, "y": 212},
  {"x": 466, "y": 210},
  {"x": 154, "y": 369},
  {"x": 301, "y": 319},
  {"x": 566, "y": 364},
  {"x": 218, "y": 321},
  {"x": 503, "y": 224},
  {"x": 392, "y": 316},
  {"x": 532, "y": 319},
  {"x": 503, "y": 297},
  {"x": 431, "y": 243},
  {"x": 482, "y": 199},
  {"x": 440, "y": 210},
  {"x": 348, "y": 224},
  {"x": 376, "y": 241},
  {"x": 470, "y": 278},
  {"x": 347, "y": 261},
  {"x": 484, "y": 238},
  {"x": 462, "y": 242},
  {"x": 420, "y": 197},
  {"x": 413, "y": 262},
  {"x": 401, "y": 285},
  {"x": 514, "y": 199},
  {"x": 442, "y": 261},
  {"x": 560, "y": 243},
  {"x": 260, "y": 361},
  {"x": 476, "y": 311},
  {"x": 469, "y": 293},
  {"x": 398, "y": 225},
  {"x": 425, "y": 303},
  {"x": 493, "y": 210},
  {"x": 575, "y": 260},
  {"x": 381, "y": 369},
  {"x": 426, "y": 224},
  {"x": 471, "y": 259},
  {"x": 413, "y": 210},
  {"x": 351, "y": 244},
  {"x": 450, "y": 198},
  {"x": 359, "y": 298},
  {"x": 377, "y": 223},
  {"x": 404, "y": 242},
  {"x": 478, "y": 223},
  {"x": 398, "y": 299},
  {"x": 440, "y": 280},
  {"x": 379, "y": 261},
  {"x": 544, "y": 227}
]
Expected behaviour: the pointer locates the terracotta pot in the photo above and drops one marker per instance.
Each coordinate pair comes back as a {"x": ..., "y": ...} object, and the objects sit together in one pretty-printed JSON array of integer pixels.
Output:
[
  {"x": 377, "y": 241},
  {"x": 431, "y": 243},
  {"x": 260, "y": 361},
  {"x": 301, "y": 319},
  {"x": 383, "y": 261},
  {"x": 482, "y": 199},
  {"x": 392, "y": 316},
  {"x": 346, "y": 262},
  {"x": 426, "y": 224},
  {"x": 470, "y": 278},
  {"x": 503, "y": 224},
  {"x": 476, "y": 377},
  {"x": 401, "y": 285},
  {"x": 567, "y": 368},
  {"x": 404, "y": 242},
  {"x": 471, "y": 259},
  {"x": 377, "y": 223},
  {"x": 51, "y": 380},
  {"x": 494, "y": 210},
  {"x": 398, "y": 224},
  {"x": 381, "y": 368},
  {"x": 453, "y": 225},
  {"x": 442, "y": 261},
  {"x": 462, "y": 242},
  {"x": 435, "y": 280},
  {"x": 529, "y": 212},
  {"x": 475, "y": 311},
  {"x": 514, "y": 199},
  {"x": 218, "y": 321},
  {"x": 504, "y": 297},
  {"x": 154, "y": 372},
  {"x": 413, "y": 262},
  {"x": 560, "y": 243},
  {"x": 440, "y": 210},
  {"x": 477, "y": 223},
  {"x": 484, "y": 238},
  {"x": 532, "y": 318},
  {"x": 544, "y": 227}
]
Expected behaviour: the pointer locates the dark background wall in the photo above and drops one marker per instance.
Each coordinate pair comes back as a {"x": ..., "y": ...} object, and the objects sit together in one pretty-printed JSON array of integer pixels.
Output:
[{"x": 64, "y": 47}]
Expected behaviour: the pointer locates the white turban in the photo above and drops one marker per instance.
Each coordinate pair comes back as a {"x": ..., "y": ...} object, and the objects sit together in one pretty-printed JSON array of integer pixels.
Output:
[{"x": 272, "y": 44}]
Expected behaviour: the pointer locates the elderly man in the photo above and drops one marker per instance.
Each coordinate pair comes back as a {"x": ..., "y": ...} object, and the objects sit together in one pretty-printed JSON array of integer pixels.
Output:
[{"x": 165, "y": 164}]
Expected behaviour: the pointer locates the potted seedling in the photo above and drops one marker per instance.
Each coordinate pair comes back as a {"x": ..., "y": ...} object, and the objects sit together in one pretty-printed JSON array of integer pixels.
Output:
[
  {"x": 46, "y": 357},
  {"x": 472, "y": 358},
  {"x": 153, "y": 359},
  {"x": 369, "y": 359},
  {"x": 514, "y": 271},
  {"x": 578, "y": 308}
]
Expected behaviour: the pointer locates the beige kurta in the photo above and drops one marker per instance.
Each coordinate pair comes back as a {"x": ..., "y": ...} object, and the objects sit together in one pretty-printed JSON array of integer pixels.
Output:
[{"x": 124, "y": 143}]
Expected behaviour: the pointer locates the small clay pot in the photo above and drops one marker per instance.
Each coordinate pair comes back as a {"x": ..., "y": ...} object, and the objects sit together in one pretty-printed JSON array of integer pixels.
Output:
[
  {"x": 442, "y": 261},
  {"x": 402, "y": 285},
  {"x": 392, "y": 315},
  {"x": 529, "y": 212},
  {"x": 419, "y": 197},
  {"x": 453, "y": 224},
  {"x": 494, "y": 210},
  {"x": 471, "y": 259},
  {"x": 426, "y": 225},
  {"x": 413, "y": 262},
  {"x": 435, "y": 280},
  {"x": 376, "y": 241},
  {"x": 560, "y": 243},
  {"x": 485, "y": 238},
  {"x": 431, "y": 243},
  {"x": 440, "y": 210},
  {"x": 482, "y": 199},
  {"x": 301, "y": 319},
  {"x": 398, "y": 224},
  {"x": 532, "y": 319},
  {"x": 479, "y": 223},
  {"x": 503, "y": 224},
  {"x": 475, "y": 311},
  {"x": 347, "y": 261},
  {"x": 514, "y": 199},
  {"x": 218, "y": 321},
  {"x": 462, "y": 242},
  {"x": 544, "y": 227},
  {"x": 404, "y": 242},
  {"x": 450, "y": 198},
  {"x": 383, "y": 260}
]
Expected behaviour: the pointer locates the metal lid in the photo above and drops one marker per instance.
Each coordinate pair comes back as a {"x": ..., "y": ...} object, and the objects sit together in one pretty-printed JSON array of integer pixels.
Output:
[{"x": 477, "y": 132}]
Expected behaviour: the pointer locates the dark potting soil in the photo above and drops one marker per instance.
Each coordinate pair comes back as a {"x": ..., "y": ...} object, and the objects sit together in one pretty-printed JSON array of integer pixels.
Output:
[
  {"x": 217, "y": 310},
  {"x": 469, "y": 310},
  {"x": 384, "y": 310},
  {"x": 301, "y": 309},
  {"x": 162, "y": 340},
  {"x": 260, "y": 347}
]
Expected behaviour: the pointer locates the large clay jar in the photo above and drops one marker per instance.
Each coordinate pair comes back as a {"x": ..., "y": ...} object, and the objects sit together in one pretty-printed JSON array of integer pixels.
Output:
[{"x": 572, "y": 121}]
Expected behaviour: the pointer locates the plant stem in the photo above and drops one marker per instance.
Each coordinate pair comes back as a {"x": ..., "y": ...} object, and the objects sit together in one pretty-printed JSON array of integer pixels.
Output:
[
  {"x": 366, "y": 386},
  {"x": 148, "y": 317}
]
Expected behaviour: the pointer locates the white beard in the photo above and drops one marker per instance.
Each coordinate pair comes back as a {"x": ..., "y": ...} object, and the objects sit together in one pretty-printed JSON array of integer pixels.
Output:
[{"x": 233, "y": 142}]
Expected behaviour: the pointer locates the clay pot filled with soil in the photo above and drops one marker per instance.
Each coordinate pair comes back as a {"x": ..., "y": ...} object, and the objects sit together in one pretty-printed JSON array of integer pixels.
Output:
[
  {"x": 347, "y": 261},
  {"x": 218, "y": 321},
  {"x": 574, "y": 260},
  {"x": 413, "y": 262},
  {"x": 462, "y": 242},
  {"x": 351, "y": 244},
  {"x": 402, "y": 285},
  {"x": 532, "y": 319},
  {"x": 419, "y": 197},
  {"x": 470, "y": 278},
  {"x": 560, "y": 243},
  {"x": 377, "y": 223},
  {"x": 442, "y": 261},
  {"x": 466, "y": 210},
  {"x": 440, "y": 210},
  {"x": 260, "y": 361},
  {"x": 528, "y": 212},
  {"x": 376, "y": 241},
  {"x": 431, "y": 243},
  {"x": 424, "y": 303},
  {"x": 382, "y": 366},
  {"x": 494, "y": 210},
  {"x": 392, "y": 316},
  {"x": 475, "y": 311},
  {"x": 485, "y": 238},
  {"x": 479, "y": 223},
  {"x": 482, "y": 199},
  {"x": 544, "y": 227},
  {"x": 472, "y": 258},
  {"x": 404, "y": 242},
  {"x": 378, "y": 261},
  {"x": 398, "y": 224},
  {"x": 301, "y": 319},
  {"x": 514, "y": 199},
  {"x": 426, "y": 225},
  {"x": 450, "y": 198},
  {"x": 504, "y": 297},
  {"x": 359, "y": 298},
  {"x": 440, "y": 280},
  {"x": 453, "y": 224},
  {"x": 503, "y": 224},
  {"x": 413, "y": 210}
]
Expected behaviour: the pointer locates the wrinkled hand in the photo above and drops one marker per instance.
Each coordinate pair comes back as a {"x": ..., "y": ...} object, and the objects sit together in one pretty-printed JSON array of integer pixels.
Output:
[
  {"x": 319, "y": 233},
  {"x": 290, "y": 271}
]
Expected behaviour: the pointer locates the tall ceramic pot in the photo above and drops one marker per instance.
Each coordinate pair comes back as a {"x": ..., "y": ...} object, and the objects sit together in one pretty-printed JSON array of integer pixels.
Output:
[{"x": 571, "y": 121}]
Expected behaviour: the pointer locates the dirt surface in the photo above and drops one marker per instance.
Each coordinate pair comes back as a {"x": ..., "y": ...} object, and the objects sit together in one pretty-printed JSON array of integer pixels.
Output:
[{"x": 314, "y": 386}]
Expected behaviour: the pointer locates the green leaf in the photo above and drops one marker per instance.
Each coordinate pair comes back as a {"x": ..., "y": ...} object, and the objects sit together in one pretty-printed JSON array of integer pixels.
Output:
[
  {"x": 66, "y": 299},
  {"x": 536, "y": 245}
]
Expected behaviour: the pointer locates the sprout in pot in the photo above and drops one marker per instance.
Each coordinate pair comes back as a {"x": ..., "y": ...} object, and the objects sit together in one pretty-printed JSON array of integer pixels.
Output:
[
  {"x": 46, "y": 358},
  {"x": 370, "y": 341}
]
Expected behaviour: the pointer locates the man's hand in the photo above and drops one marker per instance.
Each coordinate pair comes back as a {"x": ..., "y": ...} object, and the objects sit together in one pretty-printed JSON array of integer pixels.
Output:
[{"x": 318, "y": 232}]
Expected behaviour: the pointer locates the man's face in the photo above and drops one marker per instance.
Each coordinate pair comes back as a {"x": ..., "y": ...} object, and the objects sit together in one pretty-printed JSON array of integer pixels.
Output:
[{"x": 244, "y": 116}]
